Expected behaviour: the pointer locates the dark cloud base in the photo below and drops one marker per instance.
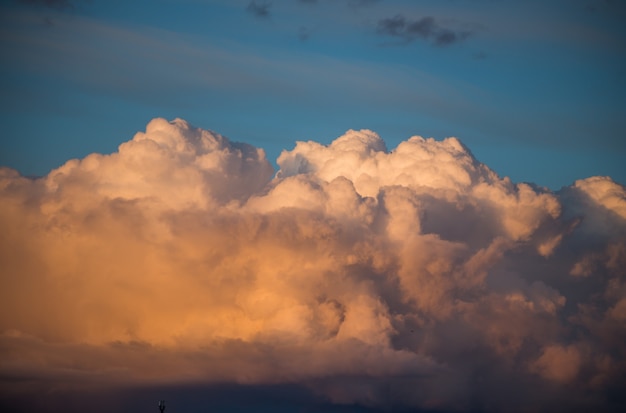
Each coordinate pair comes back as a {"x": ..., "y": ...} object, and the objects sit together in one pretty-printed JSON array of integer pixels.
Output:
[
  {"x": 222, "y": 398},
  {"x": 278, "y": 398}
]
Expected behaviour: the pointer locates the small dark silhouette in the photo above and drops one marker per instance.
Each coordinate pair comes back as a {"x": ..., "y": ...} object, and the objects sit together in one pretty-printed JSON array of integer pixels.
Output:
[{"x": 162, "y": 405}]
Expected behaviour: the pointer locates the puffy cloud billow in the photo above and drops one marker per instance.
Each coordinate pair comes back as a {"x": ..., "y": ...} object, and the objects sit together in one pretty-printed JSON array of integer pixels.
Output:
[{"x": 412, "y": 278}]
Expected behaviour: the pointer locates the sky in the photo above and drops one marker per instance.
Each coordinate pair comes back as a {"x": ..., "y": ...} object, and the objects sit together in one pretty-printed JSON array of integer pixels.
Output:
[
  {"x": 312, "y": 206},
  {"x": 535, "y": 88}
]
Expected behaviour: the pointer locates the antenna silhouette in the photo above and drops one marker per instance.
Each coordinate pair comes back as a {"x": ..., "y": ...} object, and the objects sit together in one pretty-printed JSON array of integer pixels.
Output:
[{"x": 162, "y": 405}]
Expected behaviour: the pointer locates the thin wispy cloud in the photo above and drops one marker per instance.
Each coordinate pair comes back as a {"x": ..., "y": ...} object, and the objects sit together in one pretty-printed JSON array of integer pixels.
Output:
[
  {"x": 304, "y": 33},
  {"x": 260, "y": 9},
  {"x": 351, "y": 3},
  {"x": 361, "y": 3},
  {"x": 426, "y": 28}
]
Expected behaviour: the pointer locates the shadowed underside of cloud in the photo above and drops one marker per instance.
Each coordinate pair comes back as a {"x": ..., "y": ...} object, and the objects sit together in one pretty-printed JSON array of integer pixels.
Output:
[
  {"x": 426, "y": 28},
  {"x": 411, "y": 278}
]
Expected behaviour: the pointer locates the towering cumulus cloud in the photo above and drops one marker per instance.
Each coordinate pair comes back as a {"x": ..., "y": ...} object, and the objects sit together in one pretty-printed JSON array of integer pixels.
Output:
[{"x": 412, "y": 278}]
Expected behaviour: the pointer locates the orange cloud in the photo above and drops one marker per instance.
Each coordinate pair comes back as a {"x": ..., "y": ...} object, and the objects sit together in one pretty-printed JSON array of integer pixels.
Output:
[{"x": 180, "y": 259}]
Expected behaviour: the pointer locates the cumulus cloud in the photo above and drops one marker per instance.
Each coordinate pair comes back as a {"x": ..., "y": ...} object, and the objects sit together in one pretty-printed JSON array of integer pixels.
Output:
[
  {"x": 414, "y": 277},
  {"x": 425, "y": 28}
]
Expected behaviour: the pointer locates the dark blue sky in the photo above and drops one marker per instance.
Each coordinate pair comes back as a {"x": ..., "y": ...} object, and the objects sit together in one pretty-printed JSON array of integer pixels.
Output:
[{"x": 534, "y": 88}]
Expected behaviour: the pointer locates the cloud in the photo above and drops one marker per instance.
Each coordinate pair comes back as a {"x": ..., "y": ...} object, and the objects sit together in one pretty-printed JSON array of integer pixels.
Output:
[
  {"x": 361, "y": 3},
  {"x": 426, "y": 28},
  {"x": 558, "y": 363},
  {"x": 397, "y": 278},
  {"x": 261, "y": 9},
  {"x": 304, "y": 33},
  {"x": 351, "y": 3}
]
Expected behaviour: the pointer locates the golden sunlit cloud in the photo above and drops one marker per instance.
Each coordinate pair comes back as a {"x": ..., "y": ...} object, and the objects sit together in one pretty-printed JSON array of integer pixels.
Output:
[{"x": 180, "y": 258}]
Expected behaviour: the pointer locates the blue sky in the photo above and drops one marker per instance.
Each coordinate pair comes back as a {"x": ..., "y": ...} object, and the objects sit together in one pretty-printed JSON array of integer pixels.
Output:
[{"x": 534, "y": 88}]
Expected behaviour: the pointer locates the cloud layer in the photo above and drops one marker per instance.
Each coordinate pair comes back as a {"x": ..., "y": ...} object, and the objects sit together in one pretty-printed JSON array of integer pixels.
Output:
[{"x": 413, "y": 277}]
